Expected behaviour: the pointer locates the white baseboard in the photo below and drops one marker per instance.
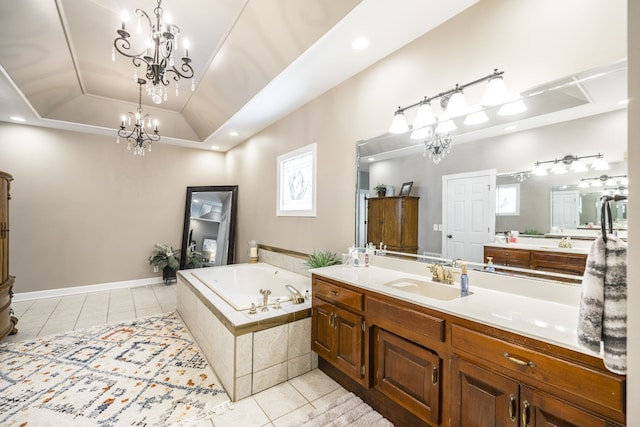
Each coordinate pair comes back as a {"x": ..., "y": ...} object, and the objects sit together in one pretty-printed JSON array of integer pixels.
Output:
[{"x": 51, "y": 293}]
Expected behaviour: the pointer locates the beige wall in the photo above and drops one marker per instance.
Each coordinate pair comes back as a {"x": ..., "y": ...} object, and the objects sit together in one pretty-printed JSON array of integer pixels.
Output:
[
  {"x": 86, "y": 211},
  {"x": 534, "y": 42}
]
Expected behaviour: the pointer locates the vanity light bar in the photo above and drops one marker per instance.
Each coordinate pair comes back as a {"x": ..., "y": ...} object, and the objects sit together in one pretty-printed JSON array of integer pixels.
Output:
[
  {"x": 453, "y": 102},
  {"x": 604, "y": 180},
  {"x": 574, "y": 162}
]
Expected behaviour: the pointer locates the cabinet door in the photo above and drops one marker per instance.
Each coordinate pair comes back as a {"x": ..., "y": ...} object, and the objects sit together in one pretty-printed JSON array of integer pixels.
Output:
[
  {"x": 322, "y": 334},
  {"x": 481, "y": 398},
  {"x": 348, "y": 354},
  {"x": 392, "y": 221},
  {"x": 408, "y": 374},
  {"x": 374, "y": 221},
  {"x": 542, "y": 410}
]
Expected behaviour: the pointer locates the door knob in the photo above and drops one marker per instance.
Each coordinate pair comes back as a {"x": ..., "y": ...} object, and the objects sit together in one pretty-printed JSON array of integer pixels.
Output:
[{"x": 450, "y": 236}]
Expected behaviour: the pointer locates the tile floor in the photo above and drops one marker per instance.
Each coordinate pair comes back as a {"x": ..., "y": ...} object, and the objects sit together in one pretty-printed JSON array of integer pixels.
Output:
[{"x": 278, "y": 406}]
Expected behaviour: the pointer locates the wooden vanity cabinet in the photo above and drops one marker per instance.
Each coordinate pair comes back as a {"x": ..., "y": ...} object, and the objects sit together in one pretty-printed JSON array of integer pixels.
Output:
[
  {"x": 338, "y": 328},
  {"x": 528, "y": 386},
  {"x": 508, "y": 257},
  {"x": 394, "y": 222},
  {"x": 539, "y": 260},
  {"x": 559, "y": 262},
  {"x": 421, "y": 367},
  {"x": 484, "y": 398}
]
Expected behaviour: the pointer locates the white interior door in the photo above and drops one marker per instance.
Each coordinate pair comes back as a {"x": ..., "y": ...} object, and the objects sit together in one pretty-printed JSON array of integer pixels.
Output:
[
  {"x": 468, "y": 214},
  {"x": 564, "y": 209}
]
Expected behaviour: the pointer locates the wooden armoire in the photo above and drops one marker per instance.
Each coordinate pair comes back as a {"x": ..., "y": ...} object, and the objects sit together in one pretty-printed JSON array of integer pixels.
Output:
[
  {"x": 393, "y": 221},
  {"x": 7, "y": 320}
]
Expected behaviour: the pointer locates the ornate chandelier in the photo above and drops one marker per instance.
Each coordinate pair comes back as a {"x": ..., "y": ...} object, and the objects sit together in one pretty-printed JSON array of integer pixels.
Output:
[
  {"x": 138, "y": 136},
  {"x": 437, "y": 146},
  {"x": 157, "y": 53}
]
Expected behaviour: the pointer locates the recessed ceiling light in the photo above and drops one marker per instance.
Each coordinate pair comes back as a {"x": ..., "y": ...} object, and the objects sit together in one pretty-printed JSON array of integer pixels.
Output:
[
  {"x": 508, "y": 128},
  {"x": 215, "y": 147},
  {"x": 371, "y": 159},
  {"x": 17, "y": 119},
  {"x": 360, "y": 43},
  {"x": 623, "y": 102},
  {"x": 234, "y": 133}
]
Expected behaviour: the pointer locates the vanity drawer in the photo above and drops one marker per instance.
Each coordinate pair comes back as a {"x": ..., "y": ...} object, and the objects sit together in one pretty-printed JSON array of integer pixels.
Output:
[
  {"x": 405, "y": 321},
  {"x": 508, "y": 257},
  {"x": 600, "y": 387},
  {"x": 559, "y": 262},
  {"x": 337, "y": 294}
]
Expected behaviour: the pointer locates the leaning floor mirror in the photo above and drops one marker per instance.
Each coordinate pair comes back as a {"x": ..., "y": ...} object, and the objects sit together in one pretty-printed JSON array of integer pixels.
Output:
[{"x": 208, "y": 236}]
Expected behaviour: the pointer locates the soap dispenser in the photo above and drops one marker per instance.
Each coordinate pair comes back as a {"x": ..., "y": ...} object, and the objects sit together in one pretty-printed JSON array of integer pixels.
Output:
[
  {"x": 490, "y": 266},
  {"x": 464, "y": 282}
]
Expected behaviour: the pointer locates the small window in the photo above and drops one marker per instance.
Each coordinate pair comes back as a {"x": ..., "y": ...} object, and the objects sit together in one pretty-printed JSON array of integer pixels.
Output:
[{"x": 508, "y": 199}]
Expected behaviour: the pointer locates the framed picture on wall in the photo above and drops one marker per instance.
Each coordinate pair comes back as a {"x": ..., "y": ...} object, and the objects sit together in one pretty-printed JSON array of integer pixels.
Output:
[
  {"x": 406, "y": 188},
  {"x": 296, "y": 191}
]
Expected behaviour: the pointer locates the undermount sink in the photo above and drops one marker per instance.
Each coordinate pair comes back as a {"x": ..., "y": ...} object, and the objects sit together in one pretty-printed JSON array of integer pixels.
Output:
[{"x": 424, "y": 288}]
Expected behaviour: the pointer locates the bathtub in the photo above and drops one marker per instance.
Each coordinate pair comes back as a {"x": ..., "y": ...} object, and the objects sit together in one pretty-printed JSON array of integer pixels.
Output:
[
  {"x": 249, "y": 351},
  {"x": 240, "y": 284}
]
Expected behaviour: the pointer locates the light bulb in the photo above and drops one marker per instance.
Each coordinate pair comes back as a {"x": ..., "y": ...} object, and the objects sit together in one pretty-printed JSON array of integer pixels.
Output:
[
  {"x": 539, "y": 170},
  {"x": 476, "y": 116},
  {"x": 577, "y": 166},
  {"x": 399, "y": 123},
  {"x": 495, "y": 93},
  {"x": 516, "y": 106},
  {"x": 425, "y": 116},
  {"x": 457, "y": 105},
  {"x": 421, "y": 133},
  {"x": 446, "y": 126}
]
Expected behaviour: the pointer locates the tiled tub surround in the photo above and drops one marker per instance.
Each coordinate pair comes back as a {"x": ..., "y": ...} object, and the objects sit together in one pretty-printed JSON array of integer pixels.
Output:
[{"x": 249, "y": 352}]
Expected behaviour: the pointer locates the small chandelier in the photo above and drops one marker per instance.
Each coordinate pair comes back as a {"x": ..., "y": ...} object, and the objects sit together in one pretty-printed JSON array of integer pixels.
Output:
[
  {"x": 437, "y": 146},
  {"x": 157, "y": 54},
  {"x": 138, "y": 136}
]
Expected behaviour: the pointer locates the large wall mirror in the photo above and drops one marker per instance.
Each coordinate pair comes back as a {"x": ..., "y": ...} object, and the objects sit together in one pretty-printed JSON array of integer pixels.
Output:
[
  {"x": 580, "y": 115},
  {"x": 210, "y": 225}
]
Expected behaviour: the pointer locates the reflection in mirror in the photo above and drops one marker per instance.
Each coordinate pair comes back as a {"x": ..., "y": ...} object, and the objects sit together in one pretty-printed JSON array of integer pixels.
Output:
[
  {"x": 209, "y": 225},
  {"x": 581, "y": 115}
]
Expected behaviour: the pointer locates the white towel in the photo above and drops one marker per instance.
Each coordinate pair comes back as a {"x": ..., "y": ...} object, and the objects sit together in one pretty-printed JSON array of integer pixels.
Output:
[{"x": 603, "y": 303}]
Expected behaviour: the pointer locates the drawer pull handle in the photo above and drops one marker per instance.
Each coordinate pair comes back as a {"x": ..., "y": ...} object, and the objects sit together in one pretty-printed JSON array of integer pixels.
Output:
[
  {"x": 434, "y": 375},
  {"x": 526, "y": 414},
  {"x": 331, "y": 321},
  {"x": 335, "y": 293},
  {"x": 519, "y": 361},
  {"x": 513, "y": 407}
]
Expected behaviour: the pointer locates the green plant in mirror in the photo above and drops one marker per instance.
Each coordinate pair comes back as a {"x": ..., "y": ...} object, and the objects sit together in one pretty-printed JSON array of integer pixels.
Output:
[
  {"x": 164, "y": 256},
  {"x": 194, "y": 259},
  {"x": 322, "y": 259},
  {"x": 532, "y": 232}
]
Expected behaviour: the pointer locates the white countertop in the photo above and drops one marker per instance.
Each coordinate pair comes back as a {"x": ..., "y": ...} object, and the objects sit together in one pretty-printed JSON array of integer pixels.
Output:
[{"x": 541, "y": 310}]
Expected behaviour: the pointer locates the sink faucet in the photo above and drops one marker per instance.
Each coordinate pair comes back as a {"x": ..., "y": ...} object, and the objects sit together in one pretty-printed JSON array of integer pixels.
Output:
[
  {"x": 265, "y": 299},
  {"x": 297, "y": 296},
  {"x": 441, "y": 274}
]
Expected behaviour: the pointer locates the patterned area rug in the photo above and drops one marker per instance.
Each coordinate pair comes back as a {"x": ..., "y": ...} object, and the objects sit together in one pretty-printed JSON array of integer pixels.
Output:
[{"x": 146, "y": 372}]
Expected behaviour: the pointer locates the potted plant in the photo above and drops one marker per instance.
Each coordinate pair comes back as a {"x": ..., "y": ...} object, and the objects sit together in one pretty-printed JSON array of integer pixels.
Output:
[
  {"x": 381, "y": 190},
  {"x": 321, "y": 259},
  {"x": 165, "y": 257},
  {"x": 193, "y": 259}
]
